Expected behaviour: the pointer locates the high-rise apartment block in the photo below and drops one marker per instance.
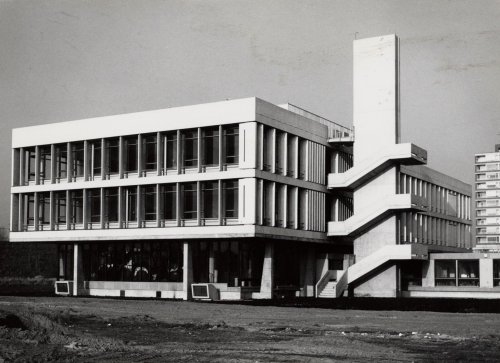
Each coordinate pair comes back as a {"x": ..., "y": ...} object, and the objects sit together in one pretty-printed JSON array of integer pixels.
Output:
[{"x": 487, "y": 189}]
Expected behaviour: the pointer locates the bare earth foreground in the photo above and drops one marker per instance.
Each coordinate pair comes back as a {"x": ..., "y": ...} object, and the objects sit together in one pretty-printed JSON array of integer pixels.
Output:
[{"x": 85, "y": 329}]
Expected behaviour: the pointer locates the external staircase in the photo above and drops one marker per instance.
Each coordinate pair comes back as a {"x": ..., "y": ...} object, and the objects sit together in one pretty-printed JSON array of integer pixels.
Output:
[
  {"x": 367, "y": 169},
  {"x": 383, "y": 207},
  {"x": 334, "y": 283}
]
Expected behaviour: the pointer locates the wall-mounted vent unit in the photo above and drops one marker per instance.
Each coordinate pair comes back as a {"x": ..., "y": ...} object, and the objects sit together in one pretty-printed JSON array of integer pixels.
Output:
[
  {"x": 64, "y": 288},
  {"x": 204, "y": 292}
]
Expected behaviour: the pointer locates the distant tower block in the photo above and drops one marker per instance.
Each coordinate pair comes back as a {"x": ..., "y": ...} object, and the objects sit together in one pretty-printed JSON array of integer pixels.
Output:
[{"x": 376, "y": 95}]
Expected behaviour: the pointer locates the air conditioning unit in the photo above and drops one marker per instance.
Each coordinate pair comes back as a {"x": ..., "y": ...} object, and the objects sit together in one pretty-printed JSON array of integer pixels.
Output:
[
  {"x": 205, "y": 292},
  {"x": 64, "y": 288}
]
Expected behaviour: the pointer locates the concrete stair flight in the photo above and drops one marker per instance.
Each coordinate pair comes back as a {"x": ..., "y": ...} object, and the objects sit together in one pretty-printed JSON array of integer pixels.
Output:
[{"x": 367, "y": 169}]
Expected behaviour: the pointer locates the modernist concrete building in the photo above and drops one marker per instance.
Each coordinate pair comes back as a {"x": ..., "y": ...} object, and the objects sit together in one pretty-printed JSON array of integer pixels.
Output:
[
  {"x": 487, "y": 189},
  {"x": 257, "y": 199}
]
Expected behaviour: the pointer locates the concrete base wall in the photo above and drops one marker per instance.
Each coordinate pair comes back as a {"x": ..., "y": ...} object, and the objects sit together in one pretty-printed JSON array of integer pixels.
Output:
[
  {"x": 381, "y": 284},
  {"x": 385, "y": 282}
]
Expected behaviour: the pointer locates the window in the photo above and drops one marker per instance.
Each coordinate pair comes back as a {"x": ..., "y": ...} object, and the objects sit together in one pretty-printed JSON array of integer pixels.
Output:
[
  {"x": 111, "y": 205},
  {"x": 112, "y": 154},
  {"x": 77, "y": 159},
  {"x": 445, "y": 273},
  {"x": 291, "y": 155},
  {"x": 468, "y": 273},
  {"x": 45, "y": 162},
  {"x": 169, "y": 194},
  {"x": 131, "y": 204},
  {"x": 170, "y": 150},
  {"x": 279, "y": 151},
  {"x": 189, "y": 201},
  {"x": 211, "y": 146},
  {"x": 30, "y": 209},
  {"x": 149, "y": 147},
  {"x": 130, "y": 147},
  {"x": 61, "y": 160},
  {"x": 76, "y": 197},
  {"x": 210, "y": 200},
  {"x": 231, "y": 143},
  {"x": 149, "y": 202},
  {"x": 496, "y": 272},
  {"x": 29, "y": 164},
  {"x": 230, "y": 197},
  {"x": 268, "y": 148},
  {"x": 60, "y": 207},
  {"x": 43, "y": 210},
  {"x": 190, "y": 148},
  {"x": 125, "y": 261},
  {"x": 94, "y": 208},
  {"x": 95, "y": 149}
]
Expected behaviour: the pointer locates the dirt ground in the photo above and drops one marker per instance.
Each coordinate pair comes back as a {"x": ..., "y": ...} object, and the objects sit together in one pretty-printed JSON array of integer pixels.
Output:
[{"x": 95, "y": 330}]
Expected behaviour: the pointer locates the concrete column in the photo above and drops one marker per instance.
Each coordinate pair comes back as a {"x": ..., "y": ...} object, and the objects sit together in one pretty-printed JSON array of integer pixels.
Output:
[
  {"x": 52, "y": 210},
  {"x": 198, "y": 202},
  {"x": 60, "y": 257},
  {"x": 78, "y": 288},
  {"x": 178, "y": 203},
  {"x": 85, "y": 209},
  {"x": 187, "y": 270},
  {"x": 68, "y": 209},
  {"x": 69, "y": 163},
  {"x": 22, "y": 166},
  {"x": 52, "y": 164},
  {"x": 140, "y": 159},
  {"x": 486, "y": 272},
  {"x": 284, "y": 157},
  {"x": 120, "y": 157},
  {"x": 285, "y": 205},
  {"x": 14, "y": 215},
  {"x": 220, "y": 203},
  {"x": 36, "y": 215},
  {"x": 273, "y": 204},
  {"x": 37, "y": 165},
  {"x": 103, "y": 159},
  {"x": 321, "y": 265},
  {"x": 296, "y": 156},
  {"x": 273, "y": 150},
  {"x": 180, "y": 159},
  {"x": 101, "y": 207},
  {"x": 139, "y": 209},
  {"x": 267, "y": 281},
  {"x": 222, "y": 156},
  {"x": 86, "y": 161},
  {"x": 211, "y": 264},
  {"x": 200, "y": 149},
  {"x": 159, "y": 154},
  {"x": 158, "y": 205},
  {"x": 428, "y": 274},
  {"x": 120, "y": 207},
  {"x": 308, "y": 273},
  {"x": 20, "y": 216}
]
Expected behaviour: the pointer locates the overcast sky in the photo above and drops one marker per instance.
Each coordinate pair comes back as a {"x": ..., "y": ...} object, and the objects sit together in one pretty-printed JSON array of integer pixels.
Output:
[{"x": 66, "y": 60}]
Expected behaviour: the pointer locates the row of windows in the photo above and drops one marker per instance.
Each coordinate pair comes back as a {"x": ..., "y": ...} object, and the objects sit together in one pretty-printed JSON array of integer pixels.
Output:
[
  {"x": 457, "y": 272},
  {"x": 485, "y": 158},
  {"x": 439, "y": 199},
  {"x": 136, "y": 206},
  {"x": 289, "y": 155},
  {"x": 420, "y": 228},
  {"x": 488, "y": 167},
  {"x": 156, "y": 153},
  {"x": 281, "y": 205},
  {"x": 236, "y": 263}
]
